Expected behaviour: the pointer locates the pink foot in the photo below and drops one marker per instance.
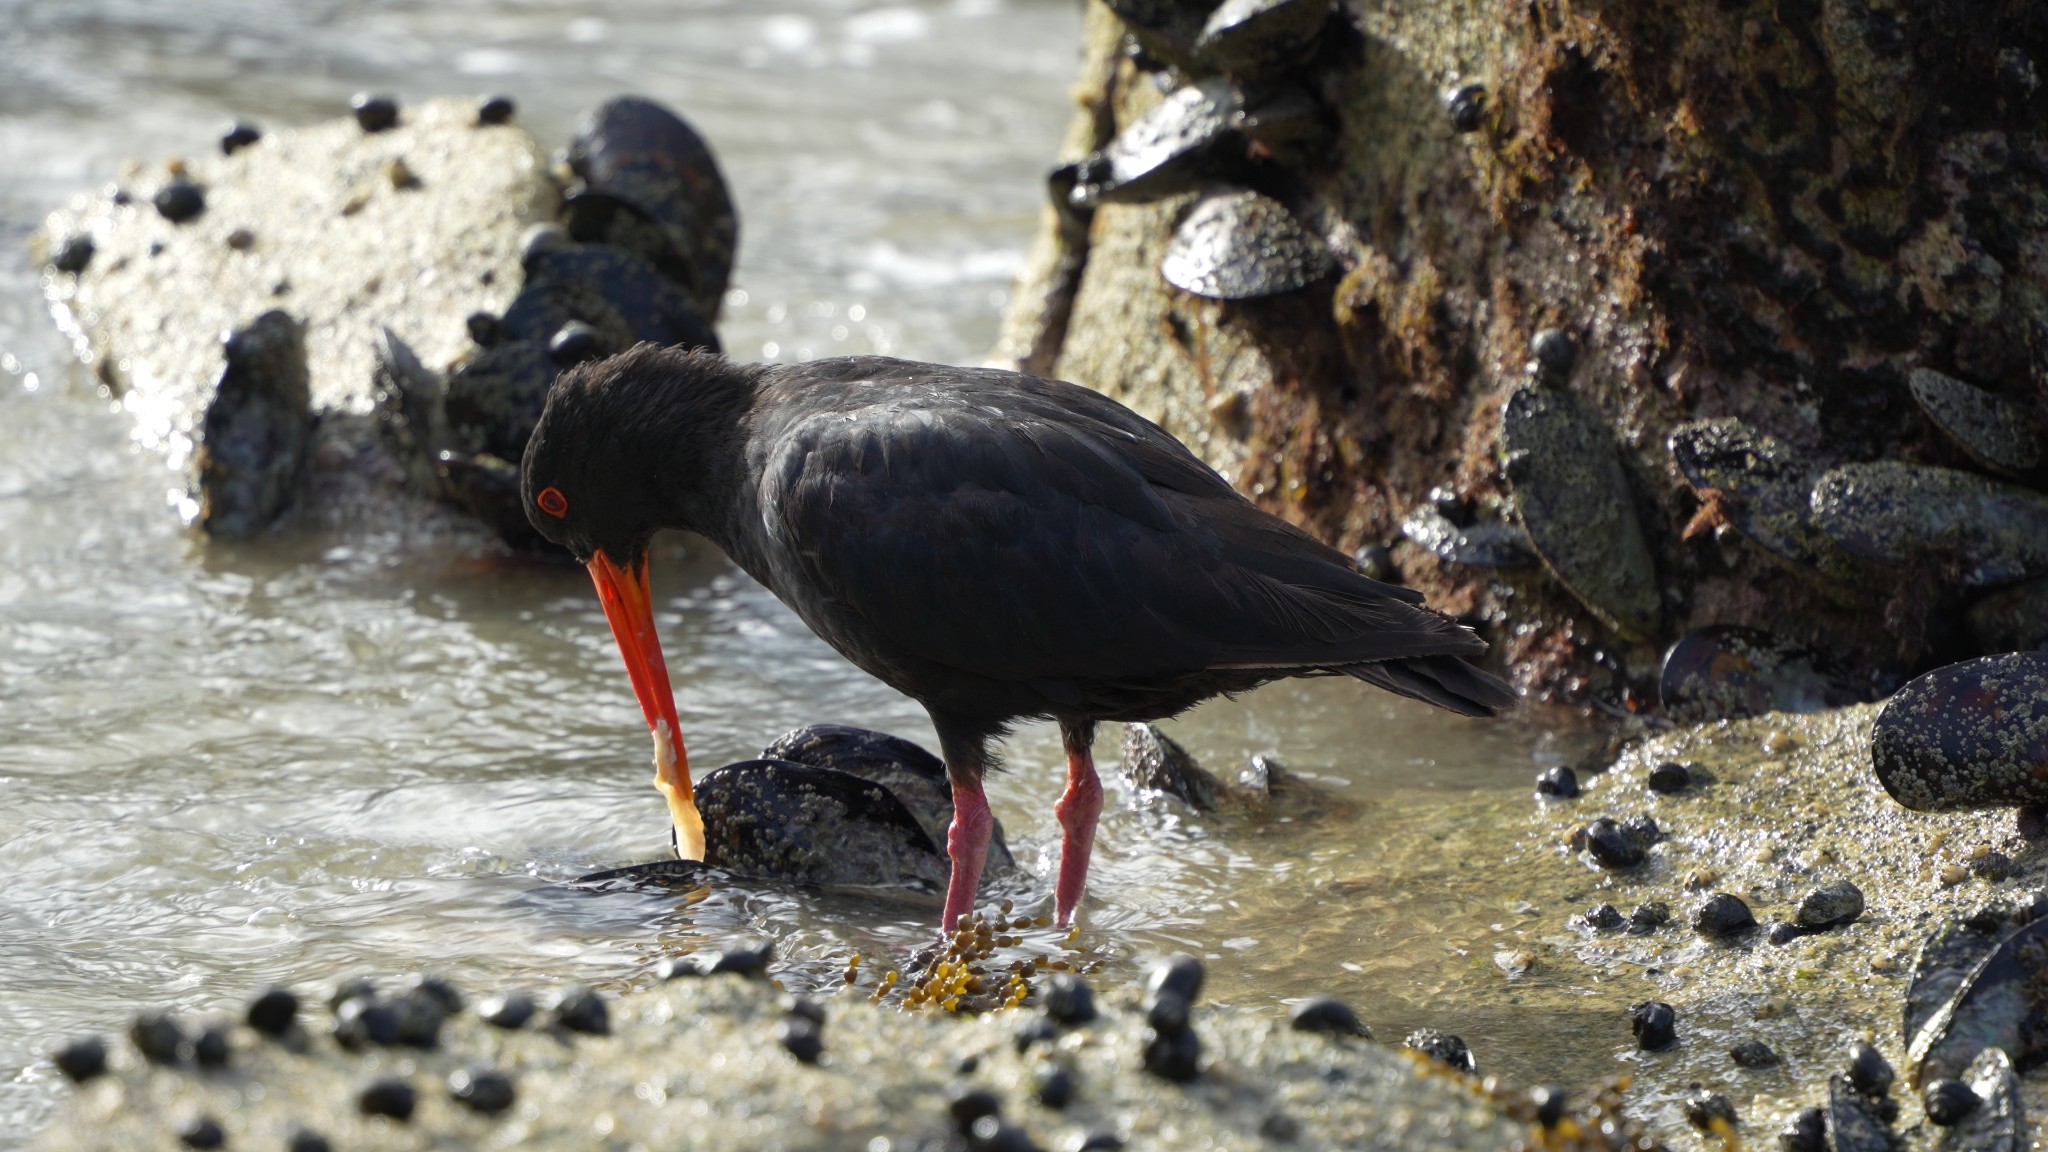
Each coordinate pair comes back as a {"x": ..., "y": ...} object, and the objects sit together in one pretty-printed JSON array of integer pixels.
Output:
[
  {"x": 967, "y": 845},
  {"x": 1076, "y": 811}
]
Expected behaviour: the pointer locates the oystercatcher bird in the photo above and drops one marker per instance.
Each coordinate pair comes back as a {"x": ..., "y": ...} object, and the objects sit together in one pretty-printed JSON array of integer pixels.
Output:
[{"x": 996, "y": 546}]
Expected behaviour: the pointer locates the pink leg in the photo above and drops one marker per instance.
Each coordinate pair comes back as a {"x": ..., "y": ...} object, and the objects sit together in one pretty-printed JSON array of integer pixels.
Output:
[
  {"x": 967, "y": 845},
  {"x": 1076, "y": 811}
]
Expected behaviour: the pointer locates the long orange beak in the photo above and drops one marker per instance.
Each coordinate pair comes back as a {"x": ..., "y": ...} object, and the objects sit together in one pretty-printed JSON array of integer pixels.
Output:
[{"x": 623, "y": 592}]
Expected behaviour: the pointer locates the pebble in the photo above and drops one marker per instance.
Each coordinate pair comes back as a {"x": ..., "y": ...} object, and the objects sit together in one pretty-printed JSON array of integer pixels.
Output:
[
  {"x": 967, "y": 1105},
  {"x": 1753, "y": 1054},
  {"x": 1806, "y": 1131},
  {"x": 1948, "y": 1101},
  {"x": 361, "y": 1021},
  {"x": 1837, "y": 903},
  {"x": 1053, "y": 1085},
  {"x": 1467, "y": 106},
  {"x": 210, "y": 1050},
  {"x": 387, "y": 1096},
  {"x": 82, "y": 1059},
  {"x": 1173, "y": 1055},
  {"x": 1551, "y": 1103},
  {"x": 179, "y": 201},
  {"x": 1036, "y": 1030},
  {"x": 1781, "y": 933},
  {"x": 1442, "y": 1047},
  {"x": 1655, "y": 1025},
  {"x": 241, "y": 240},
  {"x": 1670, "y": 776},
  {"x": 74, "y": 255},
  {"x": 1869, "y": 1072},
  {"x": 487, "y": 330},
  {"x": 157, "y": 1037},
  {"x": 1328, "y": 1015},
  {"x": 1644, "y": 919},
  {"x": 1179, "y": 973},
  {"x": 440, "y": 990},
  {"x": 574, "y": 342},
  {"x": 511, "y": 1010},
  {"x": 237, "y": 136},
  {"x": 495, "y": 110},
  {"x": 1611, "y": 846},
  {"x": 1167, "y": 1012},
  {"x": 416, "y": 1019},
  {"x": 1722, "y": 914},
  {"x": 482, "y": 1090},
  {"x": 1554, "y": 353},
  {"x": 1067, "y": 999},
  {"x": 582, "y": 1010},
  {"x": 202, "y": 1132},
  {"x": 373, "y": 113},
  {"x": 307, "y": 1140},
  {"x": 1560, "y": 783},
  {"x": 802, "y": 1037},
  {"x": 1708, "y": 1111},
  {"x": 1603, "y": 918},
  {"x": 1991, "y": 867}
]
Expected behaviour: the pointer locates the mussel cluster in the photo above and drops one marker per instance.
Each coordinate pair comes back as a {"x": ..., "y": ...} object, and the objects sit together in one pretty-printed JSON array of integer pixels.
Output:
[
  {"x": 642, "y": 252},
  {"x": 1237, "y": 124}
]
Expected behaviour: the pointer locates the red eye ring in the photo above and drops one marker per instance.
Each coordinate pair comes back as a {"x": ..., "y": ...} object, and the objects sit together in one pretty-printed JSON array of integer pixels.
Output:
[{"x": 552, "y": 502}]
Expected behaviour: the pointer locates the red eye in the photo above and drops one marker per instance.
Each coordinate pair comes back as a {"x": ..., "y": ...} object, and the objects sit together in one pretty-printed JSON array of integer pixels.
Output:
[{"x": 552, "y": 502}]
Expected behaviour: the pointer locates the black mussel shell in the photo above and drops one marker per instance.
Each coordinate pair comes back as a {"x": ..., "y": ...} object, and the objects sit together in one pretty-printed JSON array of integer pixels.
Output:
[
  {"x": 1996, "y": 432},
  {"x": 1240, "y": 245},
  {"x": 914, "y": 776},
  {"x": 634, "y": 152},
  {"x": 771, "y": 819},
  {"x": 1489, "y": 544},
  {"x": 1910, "y": 515},
  {"x": 255, "y": 434},
  {"x": 1726, "y": 671},
  {"x": 1970, "y": 735}
]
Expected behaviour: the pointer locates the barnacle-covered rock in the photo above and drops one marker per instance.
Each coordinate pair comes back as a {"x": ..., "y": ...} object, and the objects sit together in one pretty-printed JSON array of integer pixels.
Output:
[
  {"x": 1903, "y": 515},
  {"x": 1970, "y": 735},
  {"x": 1574, "y": 500},
  {"x": 1239, "y": 245},
  {"x": 1996, "y": 432},
  {"x": 1728, "y": 671}
]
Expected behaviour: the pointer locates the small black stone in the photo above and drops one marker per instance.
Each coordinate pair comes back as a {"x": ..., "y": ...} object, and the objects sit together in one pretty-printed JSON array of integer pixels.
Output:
[
  {"x": 359, "y": 988},
  {"x": 582, "y": 1010},
  {"x": 1611, "y": 846},
  {"x": 210, "y": 1050},
  {"x": 1753, "y": 1054},
  {"x": 992, "y": 1135},
  {"x": 1179, "y": 973},
  {"x": 482, "y": 1090},
  {"x": 807, "y": 1008},
  {"x": 1280, "y": 1126},
  {"x": 307, "y": 1140},
  {"x": 1781, "y": 933},
  {"x": 802, "y": 1037},
  {"x": 158, "y": 1038},
  {"x": 1703, "y": 1108},
  {"x": 1655, "y": 1025},
  {"x": 1099, "y": 1141},
  {"x": 1603, "y": 918},
  {"x": 388, "y": 1096},
  {"x": 273, "y": 1011},
  {"x": 1559, "y": 783},
  {"x": 1467, "y": 105},
  {"x": 1829, "y": 905},
  {"x": 1036, "y": 1030},
  {"x": 750, "y": 959},
  {"x": 442, "y": 992},
  {"x": 237, "y": 136},
  {"x": 575, "y": 342},
  {"x": 1551, "y": 1102},
  {"x": 73, "y": 256},
  {"x": 1377, "y": 562},
  {"x": 1806, "y": 1131},
  {"x": 1644, "y": 919},
  {"x": 1175, "y": 1054},
  {"x": 1992, "y": 867},
  {"x": 1329, "y": 1015},
  {"x": 1869, "y": 1072},
  {"x": 1442, "y": 1047},
  {"x": 82, "y": 1059},
  {"x": 359, "y": 1022},
  {"x": 179, "y": 201},
  {"x": 511, "y": 1010},
  {"x": 968, "y": 1065},
  {"x": 1722, "y": 914},
  {"x": 1167, "y": 1012},
  {"x": 373, "y": 113},
  {"x": 1670, "y": 776},
  {"x": 1053, "y": 1085},
  {"x": 417, "y": 1017},
  {"x": 202, "y": 1132},
  {"x": 486, "y": 329},
  {"x": 1554, "y": 352},
  {"x": 966, "y": 1105},
  {"x": 495, "y": 110},
  {"x": 1948, "y": 1101},
  {"x": 1068, "y": 1000}
]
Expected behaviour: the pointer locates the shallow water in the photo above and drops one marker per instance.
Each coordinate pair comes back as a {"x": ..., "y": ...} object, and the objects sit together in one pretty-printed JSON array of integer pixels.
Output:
[{"x": 306, "y": 758}]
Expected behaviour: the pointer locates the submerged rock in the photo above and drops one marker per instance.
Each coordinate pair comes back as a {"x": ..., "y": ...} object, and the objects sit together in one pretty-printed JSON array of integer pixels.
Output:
[
  {"x": 1239, "y": 245},
  {"x": 1905, "y": 515},
  {"x": 1574, "y": 500},
  {"x": 1727, "y": 671},
  {"x": 1970, "y": 735},
  {"x": 1996, "y": 432}
]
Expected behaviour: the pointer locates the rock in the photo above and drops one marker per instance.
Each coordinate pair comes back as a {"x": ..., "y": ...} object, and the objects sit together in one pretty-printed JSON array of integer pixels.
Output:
[
  {"x": 496, "y": 110},
  {"x": 1602, "y": 918},
  {"x": 1722, "y": 914},
  {"x": 1052, "y": 1085},
  {"x": 1970, "y": 735},
  {"x": 1153, "y": 761},
  {"x": 74, "y": 255},
  {"x": 511, "y": 1010},
  {"x": 1443, "y": 1048},
  {"x": 1067, "y": 999},
  {"x": 254, "y": 437},
  {"x": 1710, "y": 1112},
  {"x": 273, "y": 1012},
  {"x": 210, "y": 1049},
  {"x": 1753, "y": 1054},
  {"x": 1173, "y": 1054},
  {"x": 158, "y": 1038},
  {"x": 2010, "y": 619},
  {"x": 1825, "y": 907},
  {"x": 1644, "y": 919},
  {"x": 482, "y": 1090},
  {"x": 1329, "y": 1015},
  {"x": 1669, "y": 777},
  {"x": 373, "y": 113},
  {"x": 307, "y": 1140},
  {"x": 1560, "y": 783},
  {"x": 802, "y": 1038},
  {"x": 82, "y": 1059},
  {"x": 968, "y": 1105},
  {"x": 179, "y": 201},
  {"x": 583, "y": 1010},
  {"x": 387, "y": 1096},
  {"x": 1611, "y": 845},
  {"x": 237, "y": 136},
  {"x": 1574, "y": 500},
  {"x": 1655, "y": 1025}
]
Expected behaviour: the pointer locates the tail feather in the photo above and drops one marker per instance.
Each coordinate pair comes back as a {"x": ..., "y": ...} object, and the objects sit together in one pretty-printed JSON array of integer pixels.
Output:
[{"x": 1444, "y": 681}]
